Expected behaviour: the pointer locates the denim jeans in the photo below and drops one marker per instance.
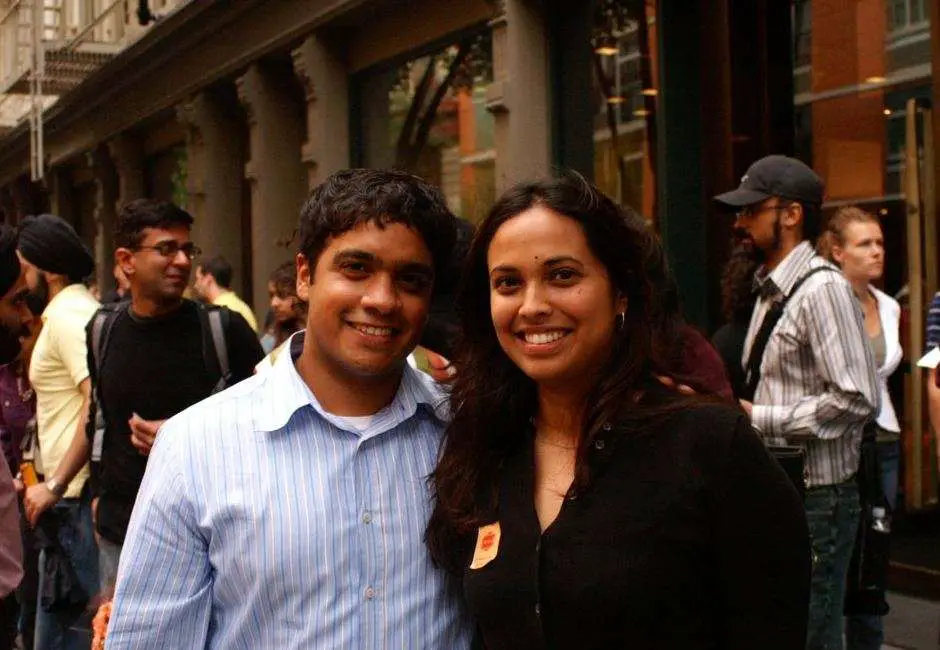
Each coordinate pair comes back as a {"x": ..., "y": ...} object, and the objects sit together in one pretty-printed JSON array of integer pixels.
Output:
[
  {"x": 69, "y": 629},
  {"x": 867, "y": 632},
  {"x": 832, "y": 512},
  {"x": 109, "y": 554}
]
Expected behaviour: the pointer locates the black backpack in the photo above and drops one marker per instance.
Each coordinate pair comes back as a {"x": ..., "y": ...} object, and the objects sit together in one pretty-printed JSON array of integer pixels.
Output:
[{"x": 214, "y": 323}]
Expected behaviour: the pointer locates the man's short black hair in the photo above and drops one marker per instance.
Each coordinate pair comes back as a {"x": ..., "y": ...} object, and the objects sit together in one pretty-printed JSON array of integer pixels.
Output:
[
  {"x": 141, "y": 214},
  {"x": 219, "y": 268},
  {"x": 354, "y": 197}
]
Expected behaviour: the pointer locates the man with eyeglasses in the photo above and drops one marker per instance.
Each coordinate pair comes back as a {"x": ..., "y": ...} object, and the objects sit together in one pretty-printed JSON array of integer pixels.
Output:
[
  {"x": 55, "y": 262},
  {"x": 150, "y": 358},
  {"x": 814, "y": 383}
]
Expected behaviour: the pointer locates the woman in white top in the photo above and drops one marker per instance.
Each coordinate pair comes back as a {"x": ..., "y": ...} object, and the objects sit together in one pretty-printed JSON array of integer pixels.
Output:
[{"x": 855, "y": 242}]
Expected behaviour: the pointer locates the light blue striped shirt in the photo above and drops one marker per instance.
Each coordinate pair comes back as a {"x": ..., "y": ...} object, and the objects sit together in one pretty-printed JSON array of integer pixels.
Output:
[{"x": 265, "y": 522}]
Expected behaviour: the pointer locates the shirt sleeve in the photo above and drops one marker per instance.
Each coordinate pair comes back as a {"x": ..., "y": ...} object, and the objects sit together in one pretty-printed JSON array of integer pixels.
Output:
[
  {"x": 69, "y": 339},
  {"x": 842, "y": 359},
  {"x": 244, "y": 346},
  {"x": 761, "y": 545},
  {"x": 164, "y": 595},
  {"x": 933, "y": 323}
]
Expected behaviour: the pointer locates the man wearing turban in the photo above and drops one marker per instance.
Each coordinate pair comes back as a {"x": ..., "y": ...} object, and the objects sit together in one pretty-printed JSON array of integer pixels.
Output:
[{"x": 55, "y": 263}]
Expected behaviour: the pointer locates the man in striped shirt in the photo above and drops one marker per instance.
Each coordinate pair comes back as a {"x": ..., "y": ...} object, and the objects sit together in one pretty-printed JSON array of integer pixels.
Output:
[
  {"x": 289, "y": 511},
  {"x": 817, "y": 386}
]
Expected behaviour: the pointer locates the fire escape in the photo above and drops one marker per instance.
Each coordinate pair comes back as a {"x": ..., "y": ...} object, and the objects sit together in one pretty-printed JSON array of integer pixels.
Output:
[{"x": 47, "y": 48}]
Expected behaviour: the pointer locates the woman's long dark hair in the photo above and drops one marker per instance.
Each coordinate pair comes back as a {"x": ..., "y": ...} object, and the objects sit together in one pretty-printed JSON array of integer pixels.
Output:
[{"x": 492, "y": 400}]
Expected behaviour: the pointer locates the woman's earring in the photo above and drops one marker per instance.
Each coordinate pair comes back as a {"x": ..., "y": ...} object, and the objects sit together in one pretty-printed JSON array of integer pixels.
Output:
[{"x": 621, "y": 319}]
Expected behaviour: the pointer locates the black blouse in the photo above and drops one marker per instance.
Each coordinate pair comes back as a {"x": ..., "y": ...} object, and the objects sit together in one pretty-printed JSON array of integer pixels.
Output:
[{"x": 689, "y": 536}]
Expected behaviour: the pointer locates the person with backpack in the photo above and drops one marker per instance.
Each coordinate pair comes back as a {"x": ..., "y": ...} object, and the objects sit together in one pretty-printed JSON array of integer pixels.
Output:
[
  {"x": 810, "y": 374},
  {"x": 150, "y": 358}
]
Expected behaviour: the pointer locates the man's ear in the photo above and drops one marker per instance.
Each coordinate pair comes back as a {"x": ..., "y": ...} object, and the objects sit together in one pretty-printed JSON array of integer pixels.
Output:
[
  {"x": 124, "y": 257},
  {"x": 304, "y": 277},
  {"x": 793, "y": 216}
]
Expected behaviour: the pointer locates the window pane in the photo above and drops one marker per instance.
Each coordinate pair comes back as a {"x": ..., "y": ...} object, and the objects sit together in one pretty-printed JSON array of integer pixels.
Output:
[
  {"x": 428, "y": 116},
  {"x": 623, "y": 73}
]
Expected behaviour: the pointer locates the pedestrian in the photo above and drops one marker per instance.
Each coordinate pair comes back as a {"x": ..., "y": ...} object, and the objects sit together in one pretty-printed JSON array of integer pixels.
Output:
[
  {"x": 288, "y": 511},
  {"x": 582, "y": 503},
  {"x": 55, "y": 263},
  {"x": 13, "y": 313},
  {"x": 809, "y": 367},
  {"x": 737, "y": 306},
  {"x": 854, "y": 241},
  {"x": 288, "y": 312},
  {"x": 214, "y": 285},
  {"x": 18, "y": 433}
]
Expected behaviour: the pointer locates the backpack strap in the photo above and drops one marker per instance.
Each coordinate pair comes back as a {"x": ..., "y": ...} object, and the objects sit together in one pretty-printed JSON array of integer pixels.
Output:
[
  {"x": 215, "y": 321},
  {"x": 101, "y": 327},
  {"x": 762, "y": 338}
]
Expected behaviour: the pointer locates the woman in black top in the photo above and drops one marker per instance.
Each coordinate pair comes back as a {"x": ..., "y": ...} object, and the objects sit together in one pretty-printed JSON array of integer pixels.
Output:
[{"x": 584, "y": 504}]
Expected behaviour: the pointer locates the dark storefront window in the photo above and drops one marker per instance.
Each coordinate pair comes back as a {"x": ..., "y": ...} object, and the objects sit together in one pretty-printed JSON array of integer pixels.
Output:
[
  {"x": 625, "y": 117},
  {"x": 428, "y": 115}
]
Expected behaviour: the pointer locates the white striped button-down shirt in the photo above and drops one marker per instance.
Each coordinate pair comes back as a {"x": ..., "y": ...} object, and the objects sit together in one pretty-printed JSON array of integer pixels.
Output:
[
  {"x": 818, "y": 385},
  {"x": 265, "y": 522}
]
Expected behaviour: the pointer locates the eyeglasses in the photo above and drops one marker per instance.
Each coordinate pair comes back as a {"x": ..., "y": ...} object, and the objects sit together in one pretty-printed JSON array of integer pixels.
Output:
[
  {"x": 752, "y": 211},
  {"x": 172, "y": 248}
]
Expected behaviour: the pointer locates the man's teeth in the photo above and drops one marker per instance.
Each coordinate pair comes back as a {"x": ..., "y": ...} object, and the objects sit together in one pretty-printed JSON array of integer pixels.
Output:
[
  {"x": 541, "y": 338},
  {"x": 374, "y": 331}
]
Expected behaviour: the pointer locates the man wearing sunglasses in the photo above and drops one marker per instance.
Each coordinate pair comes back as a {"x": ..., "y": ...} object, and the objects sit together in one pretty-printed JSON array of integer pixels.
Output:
[{"x": 814, "y": 383}]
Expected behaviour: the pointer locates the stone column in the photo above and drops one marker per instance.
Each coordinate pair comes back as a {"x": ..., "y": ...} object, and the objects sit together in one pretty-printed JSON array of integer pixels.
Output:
[
  {"x": 275, "y": 171},
  {"x": 60, "y": 197},
  {"x": 127, "y": 155},
  {"x": 326, "y": 89},
  {"x": 216, "y": 158},
  {"x": 519, "y": 95},
  {"x": 106, "y": 206}
]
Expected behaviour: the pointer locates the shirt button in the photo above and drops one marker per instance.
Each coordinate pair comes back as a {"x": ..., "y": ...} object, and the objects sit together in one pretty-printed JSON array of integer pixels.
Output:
[
  {"x": 607, "y": 427},
  {"x": 370, "y": 593},
  {"x": 538, "y": 609},
  {"x": 367, "y": 517},
  {"x": 598, "y": 444}
]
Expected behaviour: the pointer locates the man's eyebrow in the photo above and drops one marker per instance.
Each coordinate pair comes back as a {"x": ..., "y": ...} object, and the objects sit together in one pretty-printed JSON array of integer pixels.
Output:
[{"x": 353, "y": 255}]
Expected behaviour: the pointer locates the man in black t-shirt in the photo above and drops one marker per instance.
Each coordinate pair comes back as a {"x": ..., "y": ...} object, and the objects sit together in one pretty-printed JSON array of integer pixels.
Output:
[{"x": 155, "y": 360}]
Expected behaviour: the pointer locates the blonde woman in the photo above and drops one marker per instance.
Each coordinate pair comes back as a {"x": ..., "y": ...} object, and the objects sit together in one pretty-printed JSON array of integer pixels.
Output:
[{"x": 854, "y": 240}]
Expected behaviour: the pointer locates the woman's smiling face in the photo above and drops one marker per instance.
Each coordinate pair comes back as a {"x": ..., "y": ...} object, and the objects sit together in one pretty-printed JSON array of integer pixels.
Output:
[{"x": 551, "y": 300}]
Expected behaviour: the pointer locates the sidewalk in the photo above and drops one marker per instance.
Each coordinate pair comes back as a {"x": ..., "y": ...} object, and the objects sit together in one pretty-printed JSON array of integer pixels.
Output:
[{"x": 912, "y": 624}]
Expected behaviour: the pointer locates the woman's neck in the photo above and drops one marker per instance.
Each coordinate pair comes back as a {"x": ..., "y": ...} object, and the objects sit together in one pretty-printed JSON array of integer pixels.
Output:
[
  {"x": 560, "y": 415},
  {"x": 862, "y": 292}
]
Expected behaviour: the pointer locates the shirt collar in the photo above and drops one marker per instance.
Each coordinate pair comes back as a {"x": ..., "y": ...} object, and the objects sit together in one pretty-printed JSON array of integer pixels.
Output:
[
  {"x": 284, "y": 392},
  {"x": 790, "y": 269}
]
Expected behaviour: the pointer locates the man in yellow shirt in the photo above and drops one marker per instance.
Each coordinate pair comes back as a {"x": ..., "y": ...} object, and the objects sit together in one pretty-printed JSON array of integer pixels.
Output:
[
  {"x": 55, "y": 262},
  {"x": 213, "y": 284}
]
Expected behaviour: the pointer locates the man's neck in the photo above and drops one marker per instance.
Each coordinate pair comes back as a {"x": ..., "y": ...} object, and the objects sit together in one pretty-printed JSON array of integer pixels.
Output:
[
  {"x": 213, "y": 293},
  {"x": 776, "y": 257},
  {"x": 55, "y": 288},
  {"x": 147, "y": 308},
  {"x": 343, "y": 394}
]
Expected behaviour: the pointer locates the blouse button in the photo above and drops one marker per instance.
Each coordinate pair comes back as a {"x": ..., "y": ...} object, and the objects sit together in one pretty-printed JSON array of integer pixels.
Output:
[
  {"x": 538, "y": 609},
  {"x": 607, "y": 427},
  {"x": 598, "y": 444}
]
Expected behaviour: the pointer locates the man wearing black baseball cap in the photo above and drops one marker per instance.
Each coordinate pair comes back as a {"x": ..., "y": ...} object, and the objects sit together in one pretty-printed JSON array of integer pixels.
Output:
[{"x": 809, "y": 369}]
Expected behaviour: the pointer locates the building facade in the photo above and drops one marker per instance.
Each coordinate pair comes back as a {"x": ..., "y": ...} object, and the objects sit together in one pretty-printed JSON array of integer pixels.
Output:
[{"x": 237, "y": 109}]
